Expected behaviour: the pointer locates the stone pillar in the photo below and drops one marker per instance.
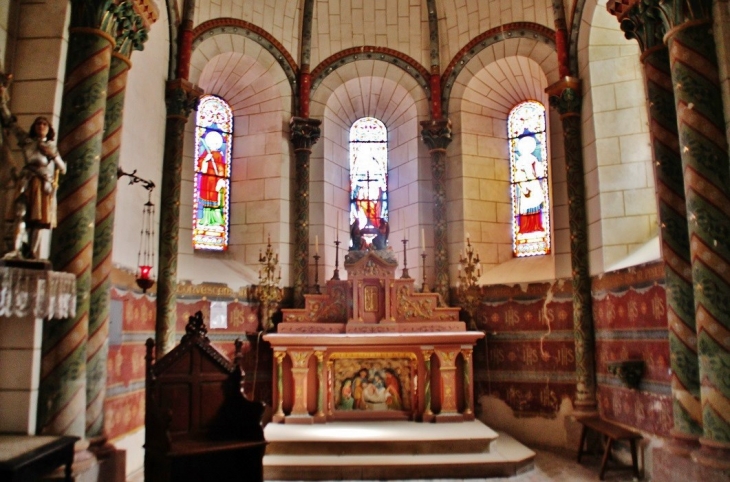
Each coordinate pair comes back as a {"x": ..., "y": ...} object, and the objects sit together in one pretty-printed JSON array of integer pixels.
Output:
[
  {"x": 321, "y": 387},
  {"x": 279, "y": 356},
  {"x": 427, "y": 413},
  {"x": 647, "y": 29},
  {"x": 128, "y": 39},
  {"x": 704, "y": 151},
  {"x": 300, "y": 373},
  {"x": 468, "y": 387},
  {"x": 62, "y": 390},
  {"x": 181, "y": 98},
  {"x": 436, "y": 134},
  {"x": 304, "y": 134},
  {"x": 447, "y": 370},
  {"x": 565, "y": 95}
]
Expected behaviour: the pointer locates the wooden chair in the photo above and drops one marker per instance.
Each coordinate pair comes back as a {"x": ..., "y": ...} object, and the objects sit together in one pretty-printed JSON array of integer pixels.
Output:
[{"x": 198, "y": 424}]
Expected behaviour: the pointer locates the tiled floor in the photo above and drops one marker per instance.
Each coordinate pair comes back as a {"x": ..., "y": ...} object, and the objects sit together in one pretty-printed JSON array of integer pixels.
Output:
[{"x": 549, "y": 467}]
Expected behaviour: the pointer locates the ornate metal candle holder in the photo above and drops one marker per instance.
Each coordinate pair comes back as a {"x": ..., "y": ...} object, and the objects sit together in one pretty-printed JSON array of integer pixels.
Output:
[
  {"x": 268, "y": 292},
  {"x": 467, "y": 291}
]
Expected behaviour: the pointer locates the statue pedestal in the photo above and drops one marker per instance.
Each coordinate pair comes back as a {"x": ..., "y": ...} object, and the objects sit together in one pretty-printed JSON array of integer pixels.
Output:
[{"x": 27, "y": 297}]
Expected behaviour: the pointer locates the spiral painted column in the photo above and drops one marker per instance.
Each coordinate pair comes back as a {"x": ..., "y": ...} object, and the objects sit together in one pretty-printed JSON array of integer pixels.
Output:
[
  {"x": 704, "y": 151},
  {"x": 181, "y": 98},
  {"x": 436, "y": 134},
  {"x": 304, "y": 133},
  {"x": 62, "y": 391},
  {"x": 565, "y": 96}
]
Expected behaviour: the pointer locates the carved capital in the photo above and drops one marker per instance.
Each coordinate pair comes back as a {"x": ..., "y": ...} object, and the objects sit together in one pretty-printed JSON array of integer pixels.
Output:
[
  {"x": 565, "y": 96},
  {"x": 640, "y": 20},
  {"x": 131, "y": 31},
  {"x": 181, "y": 98},
  {"x": 304, "y": 133},
  {"x": 436, "y": 134}
]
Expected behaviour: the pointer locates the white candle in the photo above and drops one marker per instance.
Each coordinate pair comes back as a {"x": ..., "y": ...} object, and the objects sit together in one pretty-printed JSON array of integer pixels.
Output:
[
  {"x": 467, "y": 236},
  {"x": 316, "y": 244},
  {"x": 337, "y": 229},
  {"x": 423, "y": 240}
]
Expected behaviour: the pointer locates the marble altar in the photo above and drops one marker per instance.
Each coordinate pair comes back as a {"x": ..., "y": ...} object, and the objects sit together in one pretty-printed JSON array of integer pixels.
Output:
[{"x": 372, "y": 348}]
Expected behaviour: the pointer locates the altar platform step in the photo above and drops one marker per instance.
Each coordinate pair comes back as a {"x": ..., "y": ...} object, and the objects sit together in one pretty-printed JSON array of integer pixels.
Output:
[{"x": 391, "y": 450}]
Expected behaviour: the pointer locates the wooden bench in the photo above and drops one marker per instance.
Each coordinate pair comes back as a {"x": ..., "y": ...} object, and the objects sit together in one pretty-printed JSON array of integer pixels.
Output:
[
  {"x": 26, "y": 458},
  {"x": 199, "y": 426},
  {"x": 612, "y": 432}
]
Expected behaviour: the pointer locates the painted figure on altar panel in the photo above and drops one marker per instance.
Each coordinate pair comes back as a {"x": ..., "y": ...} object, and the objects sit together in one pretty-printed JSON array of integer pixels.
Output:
[
  {"x": 375, "y": 386},
  {"x": 529, "y": 180}
]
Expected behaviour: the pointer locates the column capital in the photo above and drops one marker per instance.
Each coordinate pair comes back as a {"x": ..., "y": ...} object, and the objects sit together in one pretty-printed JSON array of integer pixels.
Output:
[
  {"x": 132, "y": 29},
  {"x": 640, "y": 20},
  {"x": 436, "y": 133},
  {"x": 565, "y": 96},
  {"x": 181, "y": 98},
  {"x": 304, "y": 132}
]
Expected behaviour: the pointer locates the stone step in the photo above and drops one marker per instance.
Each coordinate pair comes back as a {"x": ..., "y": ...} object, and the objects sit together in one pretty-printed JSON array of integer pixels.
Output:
[
  {"x": 371, "y": 438},
  {"x": 378, "y": 451}
]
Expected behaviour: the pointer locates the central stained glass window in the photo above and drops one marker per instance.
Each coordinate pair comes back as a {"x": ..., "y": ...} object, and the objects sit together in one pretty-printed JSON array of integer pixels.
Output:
[
  {"x": 368, "y": 177},
  {"x": 211, "y": 202},
  {"x": 529, "y": 179}
]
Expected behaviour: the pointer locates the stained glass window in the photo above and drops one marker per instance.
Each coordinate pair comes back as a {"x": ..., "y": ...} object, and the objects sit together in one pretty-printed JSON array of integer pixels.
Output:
[
  {"x": 211, "y": 203},
  {"x": 529, "y": 178},
  {"x": 368, "y": 183}
]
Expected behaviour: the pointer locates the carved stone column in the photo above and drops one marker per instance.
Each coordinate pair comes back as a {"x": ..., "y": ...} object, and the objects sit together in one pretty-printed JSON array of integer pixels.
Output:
[
  {"x": 436, "y": 134},
  {"x": 279, "y": 356},
  {"x": 468, "y": 386},
  {"x": 321, "y": 387},
  {"x": 427, "y": 413},
  {"x": 130, "y": 38},
  {"x": 304, "y": 133},
  {"x": 300, "y": 373},
  {"x": 181, "y": 98},
  {"x": 565, "y": 96},
  {"x": 449, "y": 409},
  {"x": 62, "y": 390},
  {"x": 641, "y": 23}
]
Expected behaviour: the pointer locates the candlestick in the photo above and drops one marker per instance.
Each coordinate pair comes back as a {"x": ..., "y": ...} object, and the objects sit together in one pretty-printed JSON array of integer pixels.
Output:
[
  {"x": 336, "y": 274},
  {"x": 316, "y": 274},
  {"x": 405, "y": 260},
  {"x": 424, "y": 287}
]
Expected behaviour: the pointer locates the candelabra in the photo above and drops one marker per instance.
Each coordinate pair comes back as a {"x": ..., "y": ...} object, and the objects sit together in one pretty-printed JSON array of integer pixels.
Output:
[
  {"x": 316, "y": 273},
  {"x": 467, "y": 290},
  {"x": 268, "y": 292}
]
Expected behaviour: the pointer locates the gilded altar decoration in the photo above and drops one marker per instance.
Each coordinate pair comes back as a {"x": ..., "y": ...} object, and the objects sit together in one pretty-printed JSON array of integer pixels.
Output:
[{"x": 409, "y": 308}]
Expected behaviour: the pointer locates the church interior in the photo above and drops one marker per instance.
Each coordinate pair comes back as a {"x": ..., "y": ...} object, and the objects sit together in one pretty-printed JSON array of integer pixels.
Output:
[{"x": 508, "y": 213}]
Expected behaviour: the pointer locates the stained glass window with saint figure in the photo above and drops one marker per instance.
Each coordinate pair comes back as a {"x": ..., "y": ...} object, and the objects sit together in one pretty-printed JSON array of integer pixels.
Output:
[
  {"x": 529, "y": 178},
  {"x": 368, "y": 184},
  {"x": 211, "y": 202}
]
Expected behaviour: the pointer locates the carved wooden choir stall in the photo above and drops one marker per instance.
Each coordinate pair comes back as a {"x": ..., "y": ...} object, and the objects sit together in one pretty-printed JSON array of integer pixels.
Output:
[
  {"x": 199, "y": 426},
  {"x": 372, "y": 348}
]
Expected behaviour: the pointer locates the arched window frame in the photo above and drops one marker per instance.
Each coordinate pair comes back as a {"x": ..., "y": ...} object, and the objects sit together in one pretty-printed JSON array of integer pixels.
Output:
[
  {"x": 529, "y": 179},
  {"x": 212, "y": 178},
  {"x": 368, "y": 176}
]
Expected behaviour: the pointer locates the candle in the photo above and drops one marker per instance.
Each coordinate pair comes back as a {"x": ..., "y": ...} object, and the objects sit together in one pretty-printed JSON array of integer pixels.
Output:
[
  {"x": 423, "y": 240},
  {"x": 337, "y": 229},
  {"x": 467, "y": 236},
  {"x": 144, "y": 272},
  {"x": 316, "y": 244}
]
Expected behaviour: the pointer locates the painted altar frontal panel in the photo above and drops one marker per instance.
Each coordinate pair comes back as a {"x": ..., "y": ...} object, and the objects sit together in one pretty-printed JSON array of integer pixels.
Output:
[{"x": 373, "y": 382}]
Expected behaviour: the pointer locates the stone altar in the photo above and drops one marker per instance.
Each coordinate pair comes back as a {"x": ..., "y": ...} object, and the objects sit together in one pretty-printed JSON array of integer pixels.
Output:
[{"x": 372, "y": 348}]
